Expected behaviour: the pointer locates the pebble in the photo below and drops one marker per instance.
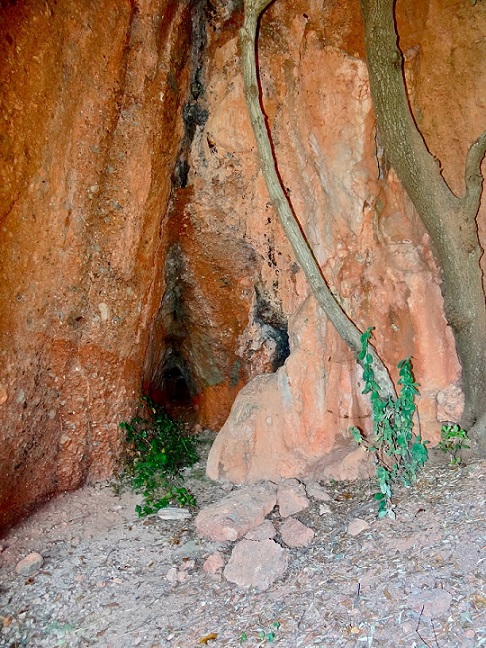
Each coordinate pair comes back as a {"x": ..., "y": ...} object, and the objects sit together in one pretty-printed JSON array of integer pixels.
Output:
[
  {"x": 356, "y": 526},
  {"x": 30, "y": 564},
  {"x": 171, "y": 575},
  {"x": 214, "y": 563}
]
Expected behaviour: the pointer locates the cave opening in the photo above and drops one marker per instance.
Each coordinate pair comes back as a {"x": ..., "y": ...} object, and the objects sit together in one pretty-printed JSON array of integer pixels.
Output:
[{"x": 173, "y": 387}]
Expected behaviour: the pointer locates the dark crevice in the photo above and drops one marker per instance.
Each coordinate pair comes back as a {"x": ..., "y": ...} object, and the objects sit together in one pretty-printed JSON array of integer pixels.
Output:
[
  {"x": 172, "y": 384},
  {"x": 194, "y": 112},
  {"x": 274, "y": 327}
]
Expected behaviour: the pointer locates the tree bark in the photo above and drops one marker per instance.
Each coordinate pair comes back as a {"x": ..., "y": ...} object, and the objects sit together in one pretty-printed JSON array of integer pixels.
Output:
[
  {"x": 343, "y": 325},
  {"x": 450, "y": 220}
]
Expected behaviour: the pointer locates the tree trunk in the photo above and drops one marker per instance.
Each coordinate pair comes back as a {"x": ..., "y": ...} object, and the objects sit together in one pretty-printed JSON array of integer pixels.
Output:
[
  {"x": 343, "y": 325},
  {"x": 450, "y": 220}
]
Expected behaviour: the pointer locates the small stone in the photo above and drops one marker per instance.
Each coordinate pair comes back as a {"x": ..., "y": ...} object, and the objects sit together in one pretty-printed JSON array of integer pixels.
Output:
[
  {"x": 256, "y": 564},
  {"x": 174, "y": 513},
  {"x": 265, "y": 531},
  {"x": 291, "y": 497},
  {"x": 356, "y": 526},
  {"x": 431, "y": 603},
  {"x": 187, "y": 565},
  {"x": 317, "y": 492},
  {"x": 237, "y": 513},
  {"x": 30, "y": 564},
  {"x": 324, "y": 509},
  {"x": 214, "y": 563},
  {"x": 172, "y": 576},
  {"x": 296, "y": 534},
  {"x": 182, "y": 576},
  {"x": 189, "y": 549}
]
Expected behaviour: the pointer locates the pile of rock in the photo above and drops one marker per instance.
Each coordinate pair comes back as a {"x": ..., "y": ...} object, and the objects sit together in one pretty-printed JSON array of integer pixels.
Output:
[{"x": 257, "y": 559}]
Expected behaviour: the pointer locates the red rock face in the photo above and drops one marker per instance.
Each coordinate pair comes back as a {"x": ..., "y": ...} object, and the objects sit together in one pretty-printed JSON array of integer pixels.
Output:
[
  {"x": 91, "y": 102},
  {"x": 371, "y": 246},
  {"x": 139, "y": 246}
]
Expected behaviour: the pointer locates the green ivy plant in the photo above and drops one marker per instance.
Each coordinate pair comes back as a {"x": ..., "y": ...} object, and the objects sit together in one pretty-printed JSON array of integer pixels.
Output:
[
  {"x": 265, "y": 636},
  {"x": 157, "y": 450},
  {"x": 453, "y": 439},
  {"x": 398, "y": 452}
]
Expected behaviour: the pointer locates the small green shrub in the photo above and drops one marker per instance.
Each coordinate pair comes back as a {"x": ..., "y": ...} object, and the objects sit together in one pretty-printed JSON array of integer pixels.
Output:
[
  {"x": 158, "y": 449},
  {"x": 453, "y": 439},
  {"x": 399, "y": 453},
  {"x": 265, "y": 636}
]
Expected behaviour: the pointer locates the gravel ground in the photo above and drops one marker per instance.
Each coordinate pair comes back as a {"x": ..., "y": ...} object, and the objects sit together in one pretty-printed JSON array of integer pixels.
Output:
[{"x": 416, "y": 581}]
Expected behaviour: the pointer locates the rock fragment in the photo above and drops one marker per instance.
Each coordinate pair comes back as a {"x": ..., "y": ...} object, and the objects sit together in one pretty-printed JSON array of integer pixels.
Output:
[
  {"x": 256, "y": 564},
  {"x": 357, "y": 525},
  {"x": 214, "y": 563},
  {"x": 265, "y": 531},
  {"x": 431, "y": 604},
  {"x": 174, "y": 513},
  {"x": 317, "y": 492},
  {"x": 237, "y": 513},
  {"x": 30, "y": 564},
  {"x": 291, "y": 497},
  {"x": 296, "y": 534}
]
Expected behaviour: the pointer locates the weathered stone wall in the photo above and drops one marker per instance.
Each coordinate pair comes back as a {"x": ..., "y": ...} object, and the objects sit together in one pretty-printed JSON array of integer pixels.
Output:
[
  {"x": 91, "y": 98},
  {"x": 139, "y": 247},
  {"x": 366, "y": 236}
]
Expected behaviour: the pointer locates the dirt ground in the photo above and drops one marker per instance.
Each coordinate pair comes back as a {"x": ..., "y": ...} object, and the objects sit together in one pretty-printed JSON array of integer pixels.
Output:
[{"x": 416, "y": 581}]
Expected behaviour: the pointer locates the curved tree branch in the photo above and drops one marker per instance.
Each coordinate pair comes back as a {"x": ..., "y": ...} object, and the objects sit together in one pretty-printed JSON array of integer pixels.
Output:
[
  {"x": 449, "y": 220},
  {"x": 343, "y": 325},
  {"x": 417, "y": 169}
]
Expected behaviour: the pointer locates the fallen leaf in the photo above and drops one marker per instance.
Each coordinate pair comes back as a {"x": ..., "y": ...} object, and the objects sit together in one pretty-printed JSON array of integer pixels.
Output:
[
  {"x": 6, "y": 621},
  {"x": 479, "y": 600},
  {"x": 210, "y": 637}
]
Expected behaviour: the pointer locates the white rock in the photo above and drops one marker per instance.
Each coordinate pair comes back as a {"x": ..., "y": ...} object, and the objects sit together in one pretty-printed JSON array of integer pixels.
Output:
[
  {"x": 174, "y": 513},
  {"x": 172, "y": 575}
]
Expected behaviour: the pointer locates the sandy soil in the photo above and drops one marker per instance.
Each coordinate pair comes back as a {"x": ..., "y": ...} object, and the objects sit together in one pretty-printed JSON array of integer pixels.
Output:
[{"x": 416, "y": 581}]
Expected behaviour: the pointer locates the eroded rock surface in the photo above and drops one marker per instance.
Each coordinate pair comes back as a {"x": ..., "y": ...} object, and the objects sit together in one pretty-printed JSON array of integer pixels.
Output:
[
  {"x": 295, "y": 534},
  {"x": 256, "y": 564},
  {"x": 237, "y": 513},
  {"x": 372, "y": 248},
  {"x": 91, "y": 99},
  {"x": 291, "y": 497},
  {"x": 139, "y": 246}
]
